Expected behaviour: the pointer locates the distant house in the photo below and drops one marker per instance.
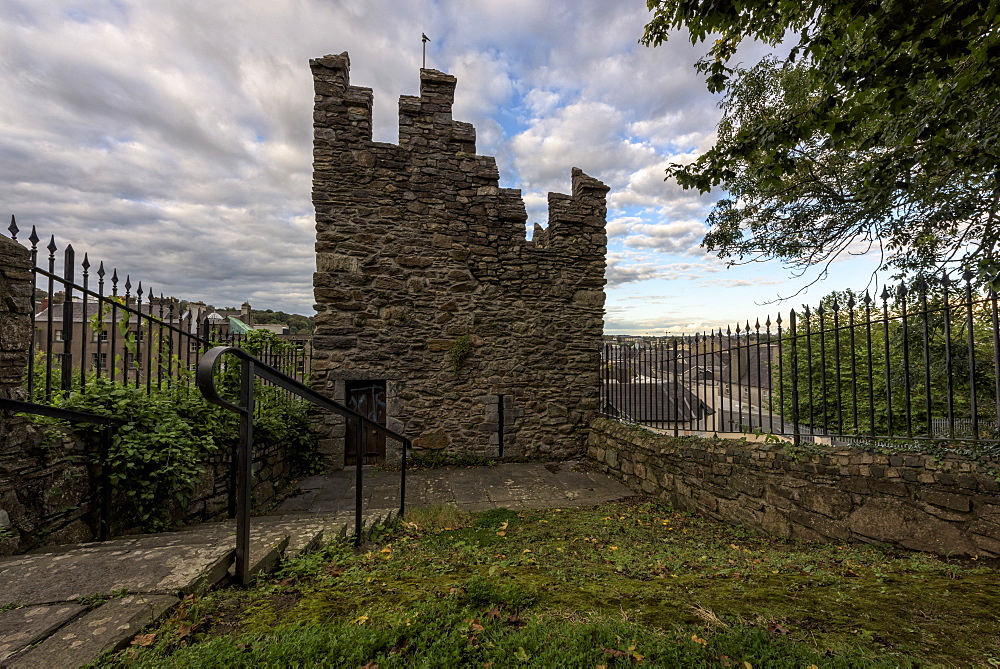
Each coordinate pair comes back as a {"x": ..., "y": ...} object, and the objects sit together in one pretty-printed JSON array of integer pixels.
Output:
[
  {"x": 102, "y": 338},
  {"x": 213, "y": 322},
  {"x": 746, "y": 375},
  {"x": 276, "y": 328},
  {"x": 657, "y": 404}
]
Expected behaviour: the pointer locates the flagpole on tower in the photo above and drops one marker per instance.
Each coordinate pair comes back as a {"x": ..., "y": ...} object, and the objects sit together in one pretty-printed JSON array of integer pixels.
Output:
[{"x": 425, "y": 39}]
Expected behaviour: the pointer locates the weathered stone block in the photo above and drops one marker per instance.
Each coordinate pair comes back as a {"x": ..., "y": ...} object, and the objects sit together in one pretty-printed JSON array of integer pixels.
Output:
[{"x": 946, "y": 500}]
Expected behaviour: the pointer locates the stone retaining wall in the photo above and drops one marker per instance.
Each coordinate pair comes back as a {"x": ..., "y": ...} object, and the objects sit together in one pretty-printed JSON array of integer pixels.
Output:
[
  {"x": 44, "y": 485},
  {"x": 948, "y": 506}
]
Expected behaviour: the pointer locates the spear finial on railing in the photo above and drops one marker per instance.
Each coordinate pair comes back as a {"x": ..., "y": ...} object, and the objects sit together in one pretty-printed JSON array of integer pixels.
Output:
[
  {"x": 13, "y": 228},
  {"x": 33, "y": 238}
]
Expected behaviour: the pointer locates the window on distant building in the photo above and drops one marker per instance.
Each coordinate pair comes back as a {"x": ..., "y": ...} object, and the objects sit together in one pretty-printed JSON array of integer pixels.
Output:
[
  {"x": 58, "y": 336},
  {"x": 99, "y": 362},
  {"x": 100, "y": 335}
]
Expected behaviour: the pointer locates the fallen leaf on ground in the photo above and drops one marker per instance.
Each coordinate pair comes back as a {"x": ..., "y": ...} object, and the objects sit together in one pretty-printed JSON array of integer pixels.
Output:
[
  {"x": 516, "y": 621},
  {"x": 143, "y": 640},
  {"x": 776, "y": 629}
]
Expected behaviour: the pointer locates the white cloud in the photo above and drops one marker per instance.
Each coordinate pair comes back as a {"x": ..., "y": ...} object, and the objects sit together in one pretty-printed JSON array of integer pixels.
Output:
[{"x": 173, "y": 138}]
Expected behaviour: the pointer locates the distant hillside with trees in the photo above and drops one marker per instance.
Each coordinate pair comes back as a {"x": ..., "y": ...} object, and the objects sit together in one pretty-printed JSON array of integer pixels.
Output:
[{"x": 297, "y": 324}]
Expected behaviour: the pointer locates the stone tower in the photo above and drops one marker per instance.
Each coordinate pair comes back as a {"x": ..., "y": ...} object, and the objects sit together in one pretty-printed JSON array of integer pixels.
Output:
[{"x": 426, "y": 288}]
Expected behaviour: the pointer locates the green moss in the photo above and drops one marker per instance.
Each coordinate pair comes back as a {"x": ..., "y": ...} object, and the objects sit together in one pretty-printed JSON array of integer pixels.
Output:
[{"x": 460, "y": 351}]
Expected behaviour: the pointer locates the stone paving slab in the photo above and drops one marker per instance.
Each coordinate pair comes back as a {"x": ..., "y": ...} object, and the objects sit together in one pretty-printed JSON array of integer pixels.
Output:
[
  {"x": 68, "y": 576},
  {"x": 25, "y": 626},
  {"x": 108, "y": 627}
]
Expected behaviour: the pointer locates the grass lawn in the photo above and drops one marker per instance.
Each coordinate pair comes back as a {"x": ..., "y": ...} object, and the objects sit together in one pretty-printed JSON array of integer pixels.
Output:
[{"x": 619, "y": 585}]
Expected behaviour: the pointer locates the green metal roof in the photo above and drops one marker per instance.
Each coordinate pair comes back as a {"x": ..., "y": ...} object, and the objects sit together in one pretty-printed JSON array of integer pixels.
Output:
[{"x": 237, "y": 326}]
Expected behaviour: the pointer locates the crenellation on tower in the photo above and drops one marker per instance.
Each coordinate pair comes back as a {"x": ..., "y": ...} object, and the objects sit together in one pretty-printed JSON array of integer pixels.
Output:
[{"x": 420, "y": 254}]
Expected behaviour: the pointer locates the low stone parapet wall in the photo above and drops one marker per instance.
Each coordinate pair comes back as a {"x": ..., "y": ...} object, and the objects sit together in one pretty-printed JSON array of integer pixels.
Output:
[{"x": 949, "y": 505}]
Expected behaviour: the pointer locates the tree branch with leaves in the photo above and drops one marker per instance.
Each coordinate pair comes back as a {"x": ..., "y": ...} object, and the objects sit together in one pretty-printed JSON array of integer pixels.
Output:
[{"x": 879, "y": 130}]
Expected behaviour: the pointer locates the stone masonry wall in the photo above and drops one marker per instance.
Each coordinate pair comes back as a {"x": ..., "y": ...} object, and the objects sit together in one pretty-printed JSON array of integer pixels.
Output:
[
  {"x": 418, "y": 250},
  {"x": 48, "y": 477},
  {"x": 949, "y": 506},
  {"x": 44, "y": 480}
]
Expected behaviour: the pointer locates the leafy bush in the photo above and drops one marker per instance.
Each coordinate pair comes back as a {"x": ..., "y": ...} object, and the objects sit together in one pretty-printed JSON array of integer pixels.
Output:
[{"x": 159, "y": 454}]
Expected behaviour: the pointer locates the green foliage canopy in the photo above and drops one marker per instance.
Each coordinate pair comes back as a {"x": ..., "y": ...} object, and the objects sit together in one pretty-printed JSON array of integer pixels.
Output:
[{"x": 881, "y": 126}]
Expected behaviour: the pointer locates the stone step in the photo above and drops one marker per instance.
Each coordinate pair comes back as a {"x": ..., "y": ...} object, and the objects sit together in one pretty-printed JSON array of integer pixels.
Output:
[{"x": 67, "y": 605}]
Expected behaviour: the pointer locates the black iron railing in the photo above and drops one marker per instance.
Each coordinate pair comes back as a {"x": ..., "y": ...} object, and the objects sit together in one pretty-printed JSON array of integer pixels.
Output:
[
  {"x": 250, "y": 369},
  {"x": 920, "y": 362},
  {"x": 110, "y": 426},
  {"x": 92, "y": 325}
]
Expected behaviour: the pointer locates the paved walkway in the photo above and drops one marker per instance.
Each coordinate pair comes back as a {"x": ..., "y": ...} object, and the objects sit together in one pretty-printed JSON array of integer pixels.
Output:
[
  {"x": 532, "y": 485},
  {"x": 75, "y": 602}
]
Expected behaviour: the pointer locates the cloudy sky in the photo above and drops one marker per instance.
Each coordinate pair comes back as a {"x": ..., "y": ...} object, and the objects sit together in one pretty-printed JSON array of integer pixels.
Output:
[{"x": 172, "y": 138}]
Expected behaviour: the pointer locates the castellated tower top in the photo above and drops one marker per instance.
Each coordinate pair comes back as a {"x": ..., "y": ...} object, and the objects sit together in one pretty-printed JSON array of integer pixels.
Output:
[{"x": 418, "y": 247}]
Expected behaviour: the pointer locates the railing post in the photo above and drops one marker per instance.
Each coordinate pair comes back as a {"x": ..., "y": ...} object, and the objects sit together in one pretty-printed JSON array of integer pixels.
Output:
[
  {"x": 402, "y": 479},
  {"x": 244, "y": 451},
  {"x": 796, "y": 435},
  {"x": 66, "y": 369},
  {"x": 104, "y": 522},
  {"x": 500, "y": 425},
  {"x": 359, "y": 442}
]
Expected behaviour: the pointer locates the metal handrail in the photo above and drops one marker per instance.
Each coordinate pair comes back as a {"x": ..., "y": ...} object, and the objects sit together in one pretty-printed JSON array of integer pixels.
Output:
[
  {"x": 251, "y": 367},
  {"x": 111, "y": 426}
]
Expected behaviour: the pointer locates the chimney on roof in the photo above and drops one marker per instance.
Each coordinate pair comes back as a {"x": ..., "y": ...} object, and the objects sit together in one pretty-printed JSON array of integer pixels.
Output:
[{"x": 245, "y": 314}]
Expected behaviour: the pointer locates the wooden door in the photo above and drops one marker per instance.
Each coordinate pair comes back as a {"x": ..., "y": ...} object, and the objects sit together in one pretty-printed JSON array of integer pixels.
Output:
[{"x": 368, "y": 399}]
